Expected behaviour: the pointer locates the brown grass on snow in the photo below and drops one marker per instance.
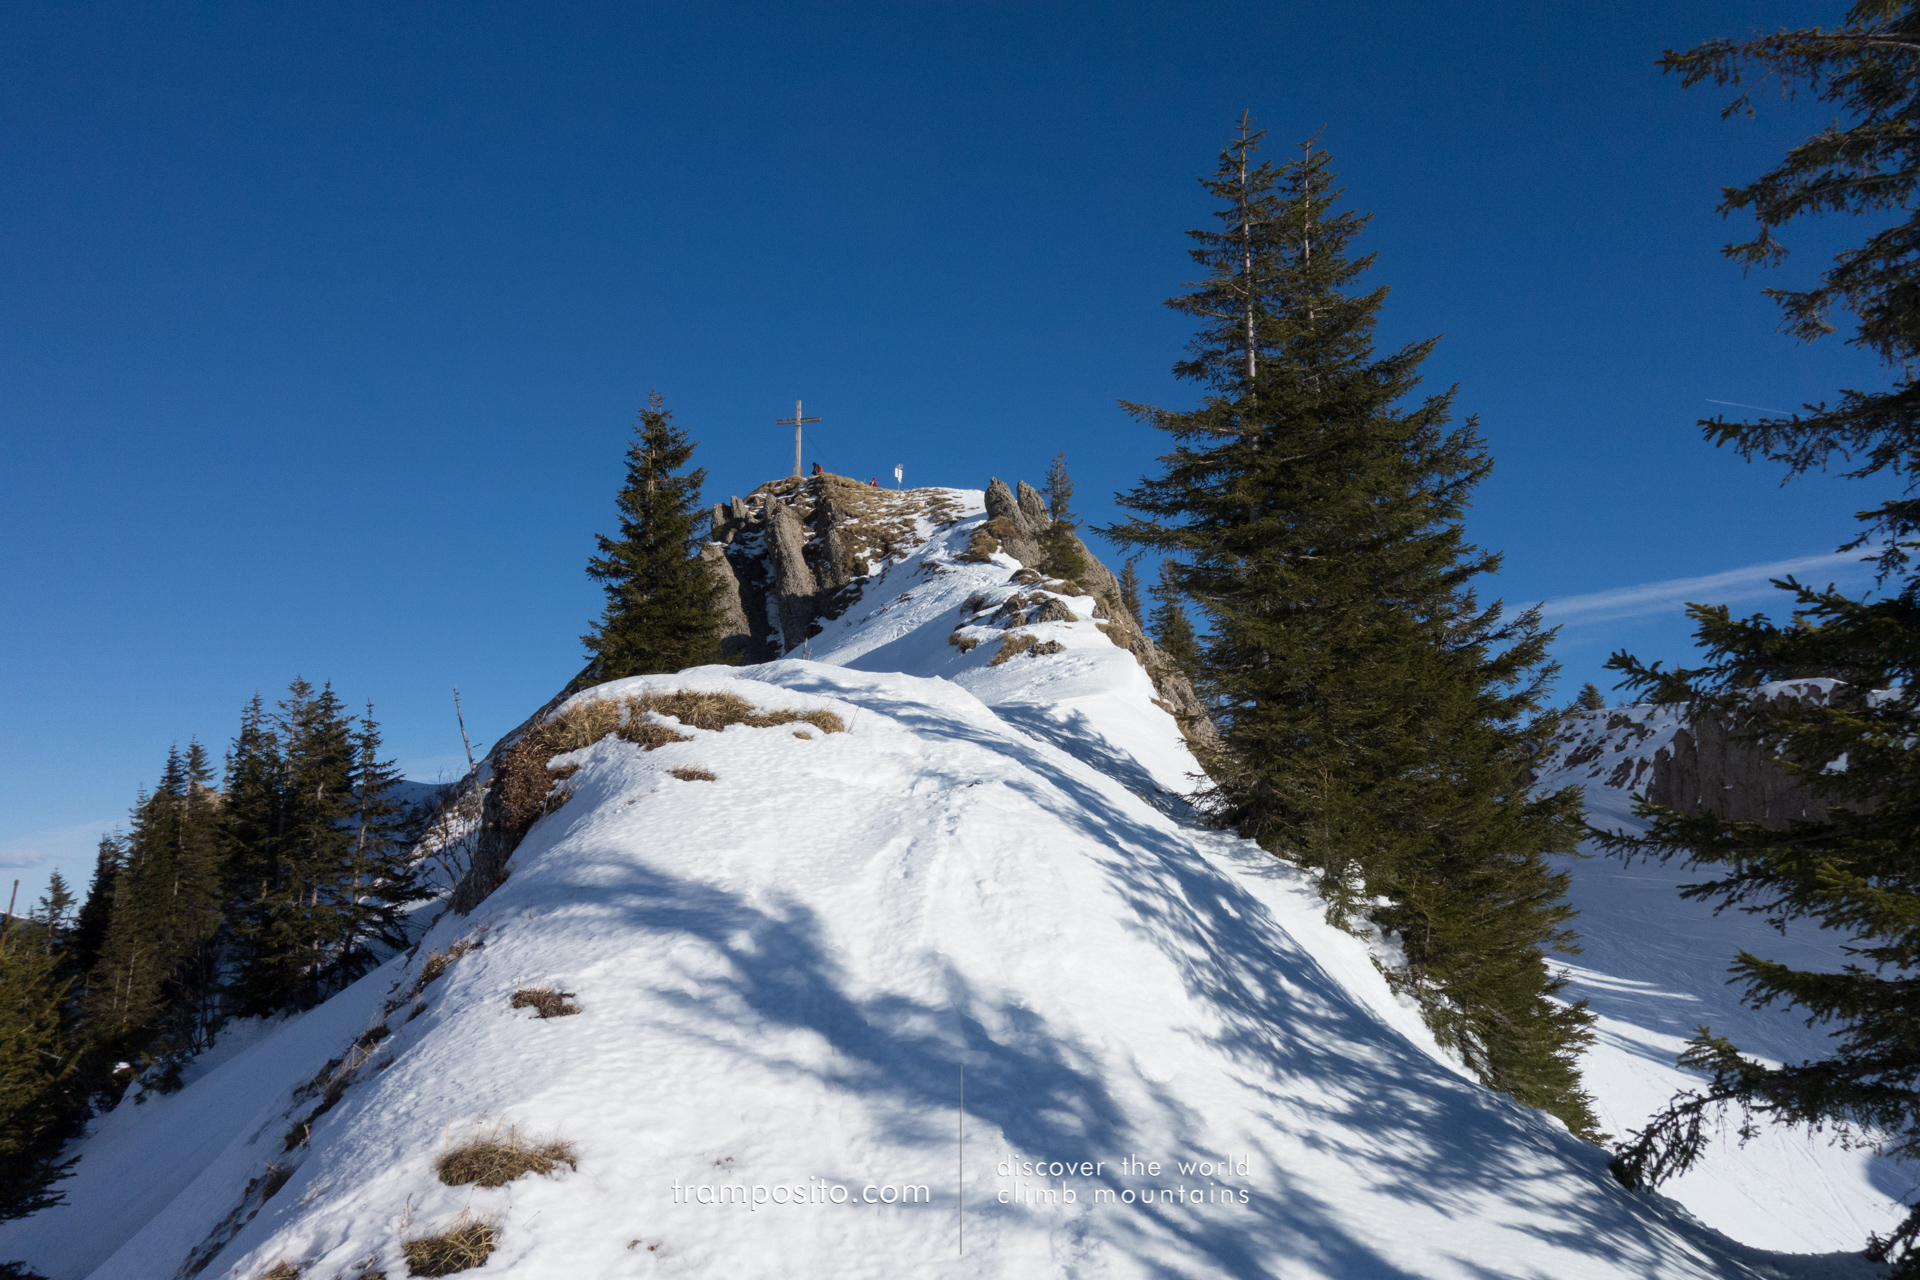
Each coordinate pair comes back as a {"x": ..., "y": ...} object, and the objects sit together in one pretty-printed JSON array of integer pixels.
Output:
[
  {"x": 438, "y": 961},
  {"x": 494, "y": 1161},
  {"x": 282, "y": 1270},
  {"x": 546, "y": 1001},
  {"x": 1015, "y": 645},
  {"x": 687, "y": 773},
  {"x": 526, "y": 783},
  {"x": 464, "y": 1245}
]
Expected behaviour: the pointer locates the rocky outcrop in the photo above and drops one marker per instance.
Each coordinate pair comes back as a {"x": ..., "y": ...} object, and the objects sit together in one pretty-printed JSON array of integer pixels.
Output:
[
  {"x": 1016, "y": 531},
  {"x": 738, "y": 642},
  {"x": 794, "y": 552},
  {"x": 1712, "y": 767},
  {"x": 1033, "y": 507},
  {"x": 793, "y": 581},
  {"x": 801, "y": 549}
]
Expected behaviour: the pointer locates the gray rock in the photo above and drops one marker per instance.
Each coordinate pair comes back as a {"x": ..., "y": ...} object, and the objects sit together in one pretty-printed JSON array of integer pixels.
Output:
[
  {"x": 1711, "y": 768},
  {"x": 737, "y": 628},
  {"x": 1051, "y": 609},
  {"x": 793, "y": 580},
  {"x": 1002, "y": 504},
  {"x": 1033, "y": 508}
]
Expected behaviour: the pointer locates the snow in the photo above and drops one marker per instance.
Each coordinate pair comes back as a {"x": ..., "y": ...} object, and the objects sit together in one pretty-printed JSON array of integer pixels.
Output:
[
  {"x": 1653, "y": 966},
  {"x": 787, "y": 977}
]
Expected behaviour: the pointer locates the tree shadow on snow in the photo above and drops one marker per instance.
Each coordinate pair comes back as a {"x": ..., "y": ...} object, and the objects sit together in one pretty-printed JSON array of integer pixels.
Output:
[{"x": 1327, "y": 1072}]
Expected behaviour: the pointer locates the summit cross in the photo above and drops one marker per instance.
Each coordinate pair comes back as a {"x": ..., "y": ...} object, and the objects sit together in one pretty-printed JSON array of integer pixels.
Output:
[{"x": 795, "y": 420}]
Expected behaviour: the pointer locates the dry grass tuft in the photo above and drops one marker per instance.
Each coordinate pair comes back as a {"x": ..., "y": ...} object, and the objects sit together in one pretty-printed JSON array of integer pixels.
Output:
[
  {"x": 975, "y": 603},
  {"x": 494, "y": 1162},
  {"x": 436, "y": 963},
  {"x": 461, "y": 1247},
  {"x": 371, "y": 1037},
  {"x": 650, "y": 735},
  {"x": 964, "y": 644},
  {"x": 282, "y": 1270},
  {"x": 803, "y": 735},
  {"x": 687, "y": 773},
  {"x": 548, "y": 1002},
  {"x": 697, "y": 709},
  {"x": 1048, "y": 646},
  {"x": 980, "y": 548},
  {"x": 1015, "y": 646},
  {"x": 525, "y": 783}
]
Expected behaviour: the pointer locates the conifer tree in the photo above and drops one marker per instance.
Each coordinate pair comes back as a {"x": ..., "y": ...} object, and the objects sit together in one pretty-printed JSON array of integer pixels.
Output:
[
  {"x": 34, "y": 1062},
  {"x": 1590, "y": 699},
  {"x": 1130, "y": 589},
  {"x": 1172, "y": 631},
  {"x": 1857, "y": 871},
  {"x": 153, "y": 993},
  {"x": 90, "y": 926},
  {"x": 295, "y": 922},
  {"x": 1064, "y": 556},
  {"x": 662, "y": 611},
  {"x": 1376, "y": 720},
  {"x": 50, "y": 913},
  {"x": 250, "y": 867},
  {"x": 382, "y": 876}
]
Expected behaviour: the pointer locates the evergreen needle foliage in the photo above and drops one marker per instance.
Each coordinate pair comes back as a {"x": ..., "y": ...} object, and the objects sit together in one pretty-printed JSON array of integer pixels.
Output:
[
  {"x": 663, "y": 605},
  {"x": 1130, "y": 590},
  {"x": 1857, "y": 871},
  {"x": 1377, "y": 722},
  {"x": 35, "y": 1061},
  {"x": 1065, "y": 558}
]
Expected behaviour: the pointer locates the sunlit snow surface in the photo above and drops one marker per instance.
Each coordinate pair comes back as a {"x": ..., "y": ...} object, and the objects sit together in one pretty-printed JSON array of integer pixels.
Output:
[
  {"x": 1654, "y": 968},
  {"x": 783, "y": 974}
]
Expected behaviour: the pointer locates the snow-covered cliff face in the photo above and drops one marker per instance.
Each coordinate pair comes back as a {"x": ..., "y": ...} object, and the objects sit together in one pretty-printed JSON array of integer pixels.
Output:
[{"x": 917, "y": 966}]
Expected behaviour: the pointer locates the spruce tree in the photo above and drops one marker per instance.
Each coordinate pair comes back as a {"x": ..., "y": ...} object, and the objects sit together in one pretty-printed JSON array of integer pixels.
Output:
[
  {"x": 152, "y": 996},
  {"x": 1064, "y": 556},
  {"x": 1172, "y": 630},
  {"x": 662, "y": 611},
  {"x": 50, "y": 913},
  {"x": 34, "y": 1062},
  {"x": 250, "y": 866},
  {"x": 1857, "y": 871},
  {"x": 1377, "y": 721},
  {"x": 297, "y": 915},
  {"x": 1130, "y": 589},
  {"x": 382, "y": 877},
  {"x": 90, "y": 926}
]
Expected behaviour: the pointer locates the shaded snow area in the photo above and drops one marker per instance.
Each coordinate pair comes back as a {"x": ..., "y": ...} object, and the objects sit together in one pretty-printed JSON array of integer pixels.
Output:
[
  {"x": 1654, "y": 968},
  {"x": 787, "y": 975}
]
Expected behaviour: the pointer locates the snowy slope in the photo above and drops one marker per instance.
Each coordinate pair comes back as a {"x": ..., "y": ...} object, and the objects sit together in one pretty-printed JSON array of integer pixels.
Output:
[
  {"x": 1654, "y": 968},
  {"x": 790, "y": 976}
]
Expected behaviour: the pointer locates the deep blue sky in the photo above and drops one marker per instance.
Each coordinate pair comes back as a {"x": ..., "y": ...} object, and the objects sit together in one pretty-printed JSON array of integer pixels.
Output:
[{"x": 321, "y": 327}]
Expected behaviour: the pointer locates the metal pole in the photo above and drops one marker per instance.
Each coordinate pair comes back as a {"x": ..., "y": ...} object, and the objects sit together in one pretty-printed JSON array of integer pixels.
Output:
[{"x": 796, "y": 439}]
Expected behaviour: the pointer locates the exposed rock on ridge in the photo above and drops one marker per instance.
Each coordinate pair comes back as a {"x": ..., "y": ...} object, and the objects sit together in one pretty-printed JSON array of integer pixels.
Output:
[{"x": 796, "y": 552}]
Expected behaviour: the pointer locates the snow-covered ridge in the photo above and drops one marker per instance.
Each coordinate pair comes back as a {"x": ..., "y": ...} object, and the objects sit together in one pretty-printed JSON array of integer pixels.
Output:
[{"x": 843, "y": 993}]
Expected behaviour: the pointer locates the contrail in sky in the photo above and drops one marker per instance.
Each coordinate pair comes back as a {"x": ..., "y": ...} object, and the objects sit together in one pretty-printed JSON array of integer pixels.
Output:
[
  {"x": 1735, "y": 404},
  {"x": 1733, "y": 585}
]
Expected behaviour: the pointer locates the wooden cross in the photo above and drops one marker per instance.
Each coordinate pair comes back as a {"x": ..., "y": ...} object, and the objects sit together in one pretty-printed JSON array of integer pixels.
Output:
[{"x": 796, "y": 420}]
